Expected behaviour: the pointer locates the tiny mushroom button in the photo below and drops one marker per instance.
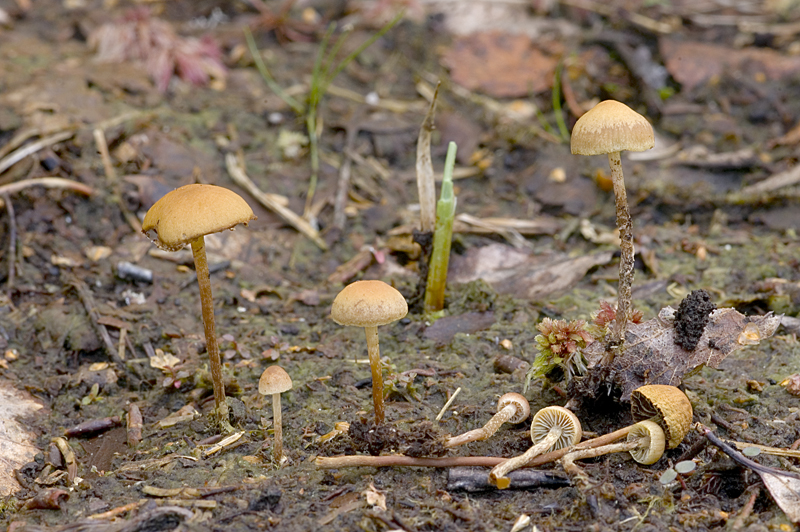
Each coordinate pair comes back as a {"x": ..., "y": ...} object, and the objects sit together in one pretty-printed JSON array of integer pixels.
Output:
[
  {"x": 369, "y": 304},
  {"x": 274, "y": 381}
]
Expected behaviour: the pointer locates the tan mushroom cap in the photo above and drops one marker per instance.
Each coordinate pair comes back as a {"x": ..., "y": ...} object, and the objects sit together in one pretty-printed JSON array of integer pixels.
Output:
[
  {"x": 610, "y": 127},
  {"x": 652, "y": 449},
  {"x": 368, "y": 304},
  {"x": 556, "y": 416},
  {"x": 518, "y": 400},
  {"x": 668, "y": 405},
  {"x": 191, "y": 211},
  {"x": 274, "y": 380}
]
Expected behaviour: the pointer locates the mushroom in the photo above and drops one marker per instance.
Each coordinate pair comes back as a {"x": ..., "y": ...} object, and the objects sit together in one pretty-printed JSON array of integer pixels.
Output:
[
  {"x": 369, "y": 304},
  {"x": 552, "y": 428},
  {"x": 645, "y": 442},
  {"x": 511, "y": 408},
  {"x": 185, "y": 216},
  {"x": 667, "y": 406},
  {"x": 274, "y": 381},
  {"x": 609, "y": 128}
]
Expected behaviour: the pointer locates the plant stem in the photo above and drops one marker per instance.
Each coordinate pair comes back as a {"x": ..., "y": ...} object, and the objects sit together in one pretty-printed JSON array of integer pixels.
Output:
[
  {"x": 442, "y": 237},
  {"x": 207, "y": 306},
  {"x": 268, "y": 79},
  {"x": 277, "y": 425},
  {"x": 374, "y": 351}
]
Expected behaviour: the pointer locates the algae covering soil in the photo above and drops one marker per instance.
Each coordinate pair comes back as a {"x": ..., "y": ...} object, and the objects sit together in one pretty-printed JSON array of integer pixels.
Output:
[{"x": 273, "y": 289}]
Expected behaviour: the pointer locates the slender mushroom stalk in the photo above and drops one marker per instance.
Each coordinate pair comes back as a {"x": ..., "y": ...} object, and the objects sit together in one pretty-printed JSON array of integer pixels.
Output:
[
  {"x": 184, "y": 216},
  {"x": 609, "y": 128},
  {"x": 552, "y": 428},
  {"x": 511, "y": 408},
  {"x": 369, "y": 304},
  {"x": 274, "y": 381},
  {"x": 645, "y": 442}
]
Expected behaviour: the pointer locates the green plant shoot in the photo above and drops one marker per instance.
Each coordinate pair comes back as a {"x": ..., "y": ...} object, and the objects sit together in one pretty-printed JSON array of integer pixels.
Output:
[{"x": 442, "y": 237}]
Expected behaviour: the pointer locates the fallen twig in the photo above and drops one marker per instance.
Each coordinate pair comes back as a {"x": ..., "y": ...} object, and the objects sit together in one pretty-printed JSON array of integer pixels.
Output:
[
  {"x": 12, "y": 245},
  {"x": 91, "y": 310},
  {"x": 47, "y": 182},
  {"x": 17, "y": 155},
  {"x": 237, "y": 173}
]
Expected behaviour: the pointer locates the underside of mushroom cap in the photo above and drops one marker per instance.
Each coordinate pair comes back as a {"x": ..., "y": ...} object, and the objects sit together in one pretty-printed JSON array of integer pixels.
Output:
[
  {"x": 556, "y": 416},
  {"x": 191, "y": 211},
  {"x": 611, "y": 126}
]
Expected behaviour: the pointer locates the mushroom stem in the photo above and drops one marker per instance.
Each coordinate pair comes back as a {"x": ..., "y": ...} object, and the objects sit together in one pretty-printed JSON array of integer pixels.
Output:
[
  {"x": 277, "y": 424},
  {"x": 374, "y": 351},
  {"x": 568, "y": 460},
  {"x": 498, "y": 475},
  {"x": 207, "y": 306},
  {"x": 626, "y": 251},
  {"x": 486, "y": 431}
]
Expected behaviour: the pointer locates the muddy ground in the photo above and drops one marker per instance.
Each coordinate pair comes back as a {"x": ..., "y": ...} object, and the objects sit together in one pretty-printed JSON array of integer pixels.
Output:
[{"x": 724, "y": 114}]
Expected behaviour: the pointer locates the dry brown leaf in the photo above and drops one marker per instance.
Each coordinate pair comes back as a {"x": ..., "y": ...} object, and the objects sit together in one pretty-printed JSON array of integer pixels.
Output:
[
  {"x": 651, "y": 355},
  {"x": 500, "y": 65}
]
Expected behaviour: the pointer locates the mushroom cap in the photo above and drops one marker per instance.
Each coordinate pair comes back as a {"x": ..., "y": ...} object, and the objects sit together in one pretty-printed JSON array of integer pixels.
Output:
[
  {"x": 652, "y": 449},
  {"x": 191, "y": 211},
  {"x": 666, "y": 405},
  {"x": 610, "y": 127},
  {"x": 556, "y": 416},
  {"x": 368, "y": 304},
  {"x": 274, "y": 380},
  {"x": 518, "y": 400}
]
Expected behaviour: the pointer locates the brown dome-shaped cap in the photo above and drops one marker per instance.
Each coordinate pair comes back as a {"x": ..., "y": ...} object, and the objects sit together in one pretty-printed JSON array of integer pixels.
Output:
[
  {"x": 519, "y": 401},
  {"x": 191, "y": 211},
  {"x": 668, "y": 406},
  {"x": 274, "y": 380},
  {"x": 368, "y": 304},
  {"x": 609, "y": 127},
  {"x": 652, "y": 448},
  {"x": 556, "y": 416}
]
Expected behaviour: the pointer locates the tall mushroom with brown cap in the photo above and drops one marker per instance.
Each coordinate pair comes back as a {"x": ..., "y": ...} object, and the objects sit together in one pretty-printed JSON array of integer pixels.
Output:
[
  {"x": 274, "y": 381},
  {"x": 369, "y": 304},
  {"x": 552, "y": 428},
  {"x": 184, "y": 216},
  {"x": 511, "y": 408},
  {"x": 609, "y": 128}
]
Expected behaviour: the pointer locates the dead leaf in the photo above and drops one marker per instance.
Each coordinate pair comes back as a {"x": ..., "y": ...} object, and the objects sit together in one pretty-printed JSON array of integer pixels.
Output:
[
  {"x": 500, "y": 64},
  {"x": 375, "y": 498},
  {"x": 651, "y": 355},
  {"x": 694, "y": 63},
  {"x": 521, "y": 273}
]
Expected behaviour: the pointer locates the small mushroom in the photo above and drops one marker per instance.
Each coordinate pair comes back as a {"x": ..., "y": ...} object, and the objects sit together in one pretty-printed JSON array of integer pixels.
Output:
[
  {"x": 608, "y": 128},
  {"x": 274, "y": 381},
  {"x": 645, "y": 442},
  {"x": 185, "y": 216},
  {"x": 511, "y": 408},
  {"x": 369, "y": 304},
  {"x": 667, "y": 406},
  {"x": 552, "y": 428}
]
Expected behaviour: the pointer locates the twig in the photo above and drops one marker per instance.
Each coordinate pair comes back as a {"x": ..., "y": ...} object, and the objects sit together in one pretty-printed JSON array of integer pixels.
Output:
[
  {"x": 17, "y": 155},
  {"x": 610, "y": 11},
  {"x": 447, "y": 404},
  {"x": 343, "y": 186},
  {"x": 47, "y": 182},
  {"x": 237, "y": 173},
  {"x": 12, "y": 245},
  {"x": 88, "y": 303},
  {"x": 112, "y": 181},
  {"x": 425, "y": 183}
]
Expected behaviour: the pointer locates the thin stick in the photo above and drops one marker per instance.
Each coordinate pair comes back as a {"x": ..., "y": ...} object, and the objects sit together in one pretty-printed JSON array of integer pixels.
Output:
[
  {"x": 123, "y": 334},
  {"x": 425, "y": 182},
  {"x": 47, "y": 182},
  {"x": 239, "y": 176},
  {"x": 17, "y": 155},
  {"x": 111, "y": 180},
  {"x": 447, "y": 404},
  {"x": 91, "y": 310},
  {"x": 343, "y": 186},
  {"x": 12, "y": 245}
]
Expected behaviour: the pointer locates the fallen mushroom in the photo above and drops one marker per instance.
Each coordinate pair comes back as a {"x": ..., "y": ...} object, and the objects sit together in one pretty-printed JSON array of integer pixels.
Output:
[
  {"x": 511, "y": 408},
  {"x": 274, "y": 381},
  {"x": 645, "y": 443},
  {"x": 552, "y": 428},
  {"x": 667, "y": 406},
  {"x": 608, "y": 128},
  {"x": 185, "y": 216},
  {"x": 369, "y": 304}
]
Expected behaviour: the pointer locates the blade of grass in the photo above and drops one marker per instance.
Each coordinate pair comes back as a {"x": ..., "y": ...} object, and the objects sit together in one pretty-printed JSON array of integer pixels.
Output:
[{"x": 296, "y": 106}]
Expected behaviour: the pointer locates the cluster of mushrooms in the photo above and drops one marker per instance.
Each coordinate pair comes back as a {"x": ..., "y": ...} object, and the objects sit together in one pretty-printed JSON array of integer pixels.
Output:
[{"x": 663, "y": 413}]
